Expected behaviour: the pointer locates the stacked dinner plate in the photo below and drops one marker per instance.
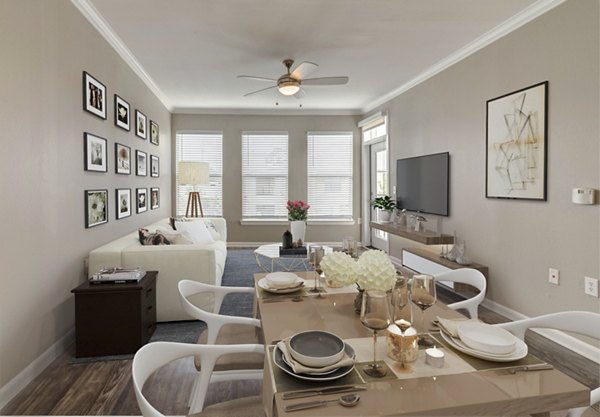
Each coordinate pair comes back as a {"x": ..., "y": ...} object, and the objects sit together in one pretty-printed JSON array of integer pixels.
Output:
[{"x": 281, "y": 282}]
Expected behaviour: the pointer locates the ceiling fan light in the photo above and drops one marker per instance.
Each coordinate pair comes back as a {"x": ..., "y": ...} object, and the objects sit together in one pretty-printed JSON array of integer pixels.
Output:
[{"x": 288, "y": 88}]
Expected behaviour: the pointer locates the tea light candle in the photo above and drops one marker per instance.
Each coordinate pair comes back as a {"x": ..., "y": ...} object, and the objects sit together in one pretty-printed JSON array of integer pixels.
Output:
[{"x": 434, "y": 357}]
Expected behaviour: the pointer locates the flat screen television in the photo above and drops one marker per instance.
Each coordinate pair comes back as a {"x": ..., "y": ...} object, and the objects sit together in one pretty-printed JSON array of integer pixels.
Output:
[{"x": 422, "y": 183}]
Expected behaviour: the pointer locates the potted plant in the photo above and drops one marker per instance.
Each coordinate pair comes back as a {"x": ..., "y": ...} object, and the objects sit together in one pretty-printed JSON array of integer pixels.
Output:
[{"x": 385, "y": 206}]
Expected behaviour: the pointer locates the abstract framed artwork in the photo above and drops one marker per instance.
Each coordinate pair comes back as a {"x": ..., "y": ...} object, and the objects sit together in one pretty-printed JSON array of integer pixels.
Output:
[
  {"x": 517, "y": 144},
  {"x": 141, "y": 163},
  {"x": 94, "y": 96},
  {"x": 95, "y": 153},
  {"x": 123, "y": 201},
  {"x": 154, "y": 166},
  {"x": 140, "y": 124},
  {"x": 153, "y": 132},
  {"x": 96, "y": 207},
  {"x": 141, "y": 195},
  {"x": 154, "y": 198},
  {"x": 122, "y": 115},
  {"x": 122, "y": 159}
]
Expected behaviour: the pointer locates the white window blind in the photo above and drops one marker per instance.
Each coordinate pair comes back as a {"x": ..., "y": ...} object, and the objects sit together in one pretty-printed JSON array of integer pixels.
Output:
[
  {"x": 201, "y": 147},
  {"x": 264, "y": 175},
  {"x": 330, "y": 175}
]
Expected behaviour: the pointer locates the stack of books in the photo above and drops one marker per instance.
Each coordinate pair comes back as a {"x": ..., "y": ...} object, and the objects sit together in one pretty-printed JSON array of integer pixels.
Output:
[{"x": 118, "y": 275}]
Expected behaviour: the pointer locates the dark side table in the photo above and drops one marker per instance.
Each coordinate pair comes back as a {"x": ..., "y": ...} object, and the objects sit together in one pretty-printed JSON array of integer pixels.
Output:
[{"x": 114, "y": 319}]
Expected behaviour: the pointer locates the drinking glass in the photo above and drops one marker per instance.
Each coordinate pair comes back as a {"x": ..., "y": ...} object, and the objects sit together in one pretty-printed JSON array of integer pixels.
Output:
[
  {"x": 317, "y": 257},
  {"x": 423, "y": 294},
  {"x": 401, "y": 310},
  {"x": 375, "y": 315}
]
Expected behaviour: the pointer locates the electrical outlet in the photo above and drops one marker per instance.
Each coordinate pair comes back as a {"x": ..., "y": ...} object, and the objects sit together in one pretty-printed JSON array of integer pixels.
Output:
[
  {"x": 591, "y": 286},
  {"x": 553, "y": 276}
]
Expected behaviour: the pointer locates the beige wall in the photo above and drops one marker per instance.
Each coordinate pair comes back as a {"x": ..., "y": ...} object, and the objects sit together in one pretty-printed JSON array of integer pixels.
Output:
[
  {"x": 232, "y": 127},
  {"x": 519, "y": 240},
  {"x": 45, "y": 45}
]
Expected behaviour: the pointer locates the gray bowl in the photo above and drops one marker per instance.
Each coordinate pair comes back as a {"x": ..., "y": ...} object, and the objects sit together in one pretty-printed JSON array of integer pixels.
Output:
[{"x": 316, "y": 348}]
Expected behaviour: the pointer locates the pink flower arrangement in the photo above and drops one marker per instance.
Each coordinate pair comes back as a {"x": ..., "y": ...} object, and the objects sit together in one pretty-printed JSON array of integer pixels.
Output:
[{"x": 297, "y": 210}]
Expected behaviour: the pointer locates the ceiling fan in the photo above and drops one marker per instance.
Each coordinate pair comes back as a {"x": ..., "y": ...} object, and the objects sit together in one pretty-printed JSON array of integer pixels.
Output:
[{"x": 290, "y": 83}]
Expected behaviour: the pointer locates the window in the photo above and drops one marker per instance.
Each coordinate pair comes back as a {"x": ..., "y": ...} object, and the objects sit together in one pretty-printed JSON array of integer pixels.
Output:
[
  {"x": 330, "y": 176},
  {"x": 264, "y": 176},
  {"x": 201, "y": 147}
]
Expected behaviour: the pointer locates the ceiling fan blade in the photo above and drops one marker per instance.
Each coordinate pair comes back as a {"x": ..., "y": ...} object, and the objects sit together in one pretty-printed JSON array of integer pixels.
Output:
[
  {"x": 302, "y": 70},
  {"x": 300, "y": 94},
  {"x": 252, "y": 77},
  {"x": 258, "y": 91},
  {"x": 325, "y": 81}
]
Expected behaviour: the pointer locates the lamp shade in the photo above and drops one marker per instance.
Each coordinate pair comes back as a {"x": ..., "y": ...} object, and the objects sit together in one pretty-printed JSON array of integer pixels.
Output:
[{"x": 193, "y": 173}]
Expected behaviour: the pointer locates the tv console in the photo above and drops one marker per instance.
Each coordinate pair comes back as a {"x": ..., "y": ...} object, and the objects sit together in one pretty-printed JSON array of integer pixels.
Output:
[{"x": 425, "y": 237}]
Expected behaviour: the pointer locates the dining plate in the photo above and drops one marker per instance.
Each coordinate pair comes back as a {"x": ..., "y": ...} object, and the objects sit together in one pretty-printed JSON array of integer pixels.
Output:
[
  {"x": 298, "y": 285},
  {"x": 338, "y": 373},
  {"x": 487, "y": 338},
  {"x": 519, "y": 353}
]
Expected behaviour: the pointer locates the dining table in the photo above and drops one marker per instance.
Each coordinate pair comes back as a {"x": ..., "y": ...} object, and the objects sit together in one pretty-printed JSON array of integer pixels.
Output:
[{"x": 465, "y": 385}]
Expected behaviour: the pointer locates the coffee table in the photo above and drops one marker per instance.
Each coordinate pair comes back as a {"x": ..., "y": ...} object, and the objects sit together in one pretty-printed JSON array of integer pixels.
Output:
[{"x": 268, "y": 259}]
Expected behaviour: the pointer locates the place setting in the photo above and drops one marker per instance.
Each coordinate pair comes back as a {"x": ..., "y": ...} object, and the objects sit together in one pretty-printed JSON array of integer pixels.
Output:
[{"x": 278, "y": 283}]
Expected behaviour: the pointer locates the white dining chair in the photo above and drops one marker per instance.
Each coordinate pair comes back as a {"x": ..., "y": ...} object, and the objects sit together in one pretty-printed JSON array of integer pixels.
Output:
[
  {"x": 469, "y": 276},
  {"x": 582, "y": 322},
  {"x": 153, "y": 356}
]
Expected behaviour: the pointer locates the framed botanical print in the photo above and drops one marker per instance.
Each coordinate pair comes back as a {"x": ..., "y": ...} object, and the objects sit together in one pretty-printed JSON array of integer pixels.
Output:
[
  {"x": 141, "y": 165},
  {"x": 516, "y": 144},
  {"x": 154, "y": 198},
  {"x": 96, "y": 207},
  {"x": 123, "y": 202},
  {"x": 154, "y": 167},
  {"x": 122, "y": 159},
  {"x": 94, "y": 96},
  {"x": 140, "y": 124},
  {"x": 122, "y": 115},
  {"x": 141, "y": 200},
  {"x": 153, "y": 132},
  {"x": 95, "y": 153}
]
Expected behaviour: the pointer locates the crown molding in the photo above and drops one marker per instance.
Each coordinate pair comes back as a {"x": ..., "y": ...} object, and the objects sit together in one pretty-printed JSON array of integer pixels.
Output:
[
  {"x": 88, "y": 10},
  {"x": 523, "y": 17},
  {"x": 267, "y": 112}
]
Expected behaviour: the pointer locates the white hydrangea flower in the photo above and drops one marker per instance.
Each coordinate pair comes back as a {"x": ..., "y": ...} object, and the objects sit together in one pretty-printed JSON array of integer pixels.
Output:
[
  {"x": 375, "y": 271},
  {"x": 339, "y": 268}
]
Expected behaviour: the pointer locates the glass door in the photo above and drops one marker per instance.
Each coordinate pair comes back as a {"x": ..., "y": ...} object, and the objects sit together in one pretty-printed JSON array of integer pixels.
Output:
[{"x": 379, "y": 187}]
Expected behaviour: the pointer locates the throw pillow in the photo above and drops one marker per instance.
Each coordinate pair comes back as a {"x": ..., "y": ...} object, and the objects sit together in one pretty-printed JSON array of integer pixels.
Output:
[
  {"x": 147, "y": 238},
  {"x": 209, "y": 225},
  {"x": 175, "y": 237},
  {"x": 195, "y": 231}
]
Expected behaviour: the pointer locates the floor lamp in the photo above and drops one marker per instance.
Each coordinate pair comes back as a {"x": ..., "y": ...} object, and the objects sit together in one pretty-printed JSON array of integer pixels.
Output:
[{"x": 193, "y": 173}]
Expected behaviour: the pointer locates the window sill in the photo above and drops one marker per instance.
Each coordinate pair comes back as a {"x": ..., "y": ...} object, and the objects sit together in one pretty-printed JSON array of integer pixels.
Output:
[
  {"x": 332, "y": 222},
  {"x": 324, "y": 222}
]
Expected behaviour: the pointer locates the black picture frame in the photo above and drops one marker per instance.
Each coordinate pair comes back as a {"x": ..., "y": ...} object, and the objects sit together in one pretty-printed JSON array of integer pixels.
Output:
[
  {"x": 122, "y": 159},
  {"x": 94, "y": 96},
  {"x": 154, "y": 198},
  {"x": 96, "y": 207},
  {"x": 141, "y": 200},
  {"x": 141, "y": 163},
  {"x": 122, "y": 113},
  {"x": 141, "y": 124},
  {"x": 154, "y": 166},
  {"x": 154, "y": 132},
  {"x": 122, "y": 203},
  {"x": 95, "y": 154},
  {"x": 517, "y": 144}
]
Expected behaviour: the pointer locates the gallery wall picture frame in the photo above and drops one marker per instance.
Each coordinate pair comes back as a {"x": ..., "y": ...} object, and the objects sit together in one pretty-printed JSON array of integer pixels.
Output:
[
  {"x": 154, "y": 198},
  {"x": 141, "y": 198},
  {"x": 122, "y": 159},
  {"x": 517, "y": 144},
  {"x": 94, "y": 96},
  {"x": 122, "y": 203},
  {"x": 141, "y": 163},
  {"x": 122, "y": 114},
  {"x": 154, "y": 166},
  {"x": 95, "y": 153},
  {"x": 96, "y": 207},
  {"x": 154, "y": 132},
  {"x": 140, "y": 124}
]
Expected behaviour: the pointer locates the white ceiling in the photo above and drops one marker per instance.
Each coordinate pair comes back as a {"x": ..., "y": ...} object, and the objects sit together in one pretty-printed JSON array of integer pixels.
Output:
[{"x": 191, "y": 51}]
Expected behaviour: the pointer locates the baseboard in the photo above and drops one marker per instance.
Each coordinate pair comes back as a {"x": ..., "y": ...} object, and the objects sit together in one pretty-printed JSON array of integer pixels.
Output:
[{"x": 15, "y": 385}]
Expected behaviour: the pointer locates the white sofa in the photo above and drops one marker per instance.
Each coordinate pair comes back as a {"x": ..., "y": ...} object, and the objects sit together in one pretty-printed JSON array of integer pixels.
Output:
[{"x": 202, "y": 263}]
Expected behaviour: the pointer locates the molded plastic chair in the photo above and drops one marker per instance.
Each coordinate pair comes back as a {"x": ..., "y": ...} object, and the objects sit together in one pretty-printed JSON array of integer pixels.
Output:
[
  {"x": 582, "y": 322},
  {"x": 155, "y": 355},
  {"x": 469, "y": 276}
]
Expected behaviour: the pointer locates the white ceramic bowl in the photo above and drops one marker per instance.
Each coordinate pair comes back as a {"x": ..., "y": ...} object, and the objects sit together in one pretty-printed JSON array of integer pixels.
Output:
[
  {"x": 281, "y": 279},
  {"x": 316, "y": 348},
  {"x": 487, "y": 338}
]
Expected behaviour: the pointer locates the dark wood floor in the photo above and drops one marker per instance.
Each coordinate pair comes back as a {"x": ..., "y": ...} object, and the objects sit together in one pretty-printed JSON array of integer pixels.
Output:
[{"x": 105, "y": 388}]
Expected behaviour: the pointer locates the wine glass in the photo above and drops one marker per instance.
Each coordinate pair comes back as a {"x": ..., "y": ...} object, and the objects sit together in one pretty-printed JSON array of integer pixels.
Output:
[
  {"x": 423, "y": 294},
  {"x": 401, "y": 311},
  {"x": 375, "y": 315}
]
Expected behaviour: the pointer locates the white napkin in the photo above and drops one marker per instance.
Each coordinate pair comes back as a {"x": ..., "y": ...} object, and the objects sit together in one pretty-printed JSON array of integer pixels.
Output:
[
  {"x": 299, "y": 368},
  {"x": 450, "y": 326}
]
